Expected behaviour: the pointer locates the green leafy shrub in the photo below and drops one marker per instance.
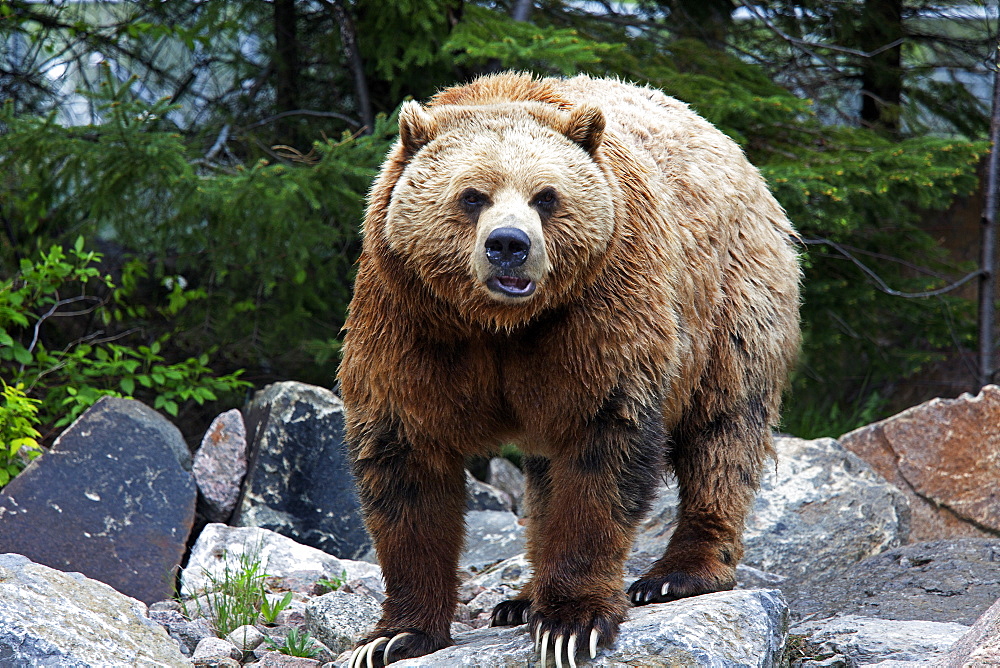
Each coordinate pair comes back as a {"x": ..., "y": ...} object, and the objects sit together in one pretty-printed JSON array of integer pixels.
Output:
[
  {"x": 18, "y": 436},
  {"x": 59, "y": 342}
]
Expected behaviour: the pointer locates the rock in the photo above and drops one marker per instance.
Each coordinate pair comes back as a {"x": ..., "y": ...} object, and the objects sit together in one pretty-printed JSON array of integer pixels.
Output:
[
  {"x": 506, "y": 477},
  {"x": 216, "y": 648},
  {"x": 290, "y": 565},
  {"x": 980, "y": 646},
  {"x": 821, "y": 509},
  {"x": 51, "y": 618},
  {"x": 735, "y": 628},
  {"x": 941, "y": 581},
  {"x": 943, "y": 455},
  {"x": 864, "y": 640},
  {"x": 220, "y": 465},
  {"x": 246, "y": 638},
  {"x": 111, "y": 500},
  {"x": 484, "y": 497},
  {"x": 372, "y": 587},
  {"x": 187, "y": 632},
  {"x": 299, "y": 480},
  {"x": 514, "y": 572},
  {"x": 279, "y": 660},
  {"x": 339, "y": 620},
  {"x": 490, "y": 536}
]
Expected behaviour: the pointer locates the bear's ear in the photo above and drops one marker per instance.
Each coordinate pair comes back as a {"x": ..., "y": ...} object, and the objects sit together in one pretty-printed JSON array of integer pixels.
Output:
[
  {"x": 585, "y": 126},
  {"x": 416, "y": 127}
]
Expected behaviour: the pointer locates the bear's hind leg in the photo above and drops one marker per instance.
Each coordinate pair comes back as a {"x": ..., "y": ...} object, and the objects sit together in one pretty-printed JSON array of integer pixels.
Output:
[
  {"x": 414, "y": 505},
  {"x": 594, "y": 497},
  {"x": 718, "y": 463}
]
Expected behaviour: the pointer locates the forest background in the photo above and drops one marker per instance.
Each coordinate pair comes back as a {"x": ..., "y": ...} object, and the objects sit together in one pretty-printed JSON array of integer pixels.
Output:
[{"x": 182, "y": 183}]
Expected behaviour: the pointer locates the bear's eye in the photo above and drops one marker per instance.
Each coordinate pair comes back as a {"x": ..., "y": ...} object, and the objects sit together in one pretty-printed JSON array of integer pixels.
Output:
[
  {"x": 546, "y": 200},
  {"x": 472, "y": 200}
]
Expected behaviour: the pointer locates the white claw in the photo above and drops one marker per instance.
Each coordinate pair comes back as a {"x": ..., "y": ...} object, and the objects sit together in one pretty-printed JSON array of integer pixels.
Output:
[
  {"x": 571, "y": 651},
  {"x": 664, "y": 589},
  {"x": 354, "y": 655},
  {"x": 594, "y": 636},
  {"x": 524, "y": 616},
  {"x": 534, "y": 638},
  {"x": 545, "y": 647},
  {"x": 372, "y": 646},
  {"x": 388, "y": 646},
  {"x": 558, "y": 650}
]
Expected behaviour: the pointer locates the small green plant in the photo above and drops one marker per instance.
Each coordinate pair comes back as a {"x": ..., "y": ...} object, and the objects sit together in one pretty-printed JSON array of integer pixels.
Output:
[
  {"x": 296, "y": 644},
  {"x": 234, "y": 598},
  {"x": 271, "y": 607},
  {"x": 333, "y": 583},
  {"x": 18, "y": 436}
]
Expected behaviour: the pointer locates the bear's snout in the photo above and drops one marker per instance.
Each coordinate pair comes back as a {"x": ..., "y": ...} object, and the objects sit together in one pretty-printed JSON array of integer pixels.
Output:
[{"x": 507, "y": 247}]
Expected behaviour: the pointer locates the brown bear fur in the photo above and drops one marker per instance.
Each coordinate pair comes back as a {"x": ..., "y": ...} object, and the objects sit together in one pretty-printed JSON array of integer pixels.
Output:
[{"x": 662, "y": 325}]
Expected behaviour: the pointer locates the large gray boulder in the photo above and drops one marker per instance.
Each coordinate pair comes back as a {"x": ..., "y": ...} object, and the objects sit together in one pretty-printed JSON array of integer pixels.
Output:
[
  {"x": 737, "y": 628},
  {"x": 820, "y": 509},
  {"x": 51, "y": 618},
  {"x": 953, "y": 580},
  {"x": 299, "y": 480},
  {"x": 113, "y": 499},
  {"x": 861, "y": 641}
]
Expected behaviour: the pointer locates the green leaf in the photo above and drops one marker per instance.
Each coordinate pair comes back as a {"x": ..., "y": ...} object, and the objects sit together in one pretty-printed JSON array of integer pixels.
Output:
[{"x": 127, "y": 385}]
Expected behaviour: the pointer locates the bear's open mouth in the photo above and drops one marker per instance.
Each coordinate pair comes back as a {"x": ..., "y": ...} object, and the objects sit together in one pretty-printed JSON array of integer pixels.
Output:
[{"x": 511, "y": 285}]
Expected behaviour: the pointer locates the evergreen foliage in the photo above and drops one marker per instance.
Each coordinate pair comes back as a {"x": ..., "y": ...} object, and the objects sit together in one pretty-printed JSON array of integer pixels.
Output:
[{"x": 229, "y": 222}]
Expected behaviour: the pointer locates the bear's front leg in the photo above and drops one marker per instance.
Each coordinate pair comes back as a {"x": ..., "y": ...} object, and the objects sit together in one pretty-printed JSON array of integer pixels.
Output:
[
  {"x": 414, "y": 502},
  {"x": 587, "y": 503}
]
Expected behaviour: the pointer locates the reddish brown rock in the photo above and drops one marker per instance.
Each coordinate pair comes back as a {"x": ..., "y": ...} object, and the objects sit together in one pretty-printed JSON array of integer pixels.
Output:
[
  {"x": 945, "y": 456},
  {"x": 980, "y": 646},
  {"x": 220, "y": 464}
]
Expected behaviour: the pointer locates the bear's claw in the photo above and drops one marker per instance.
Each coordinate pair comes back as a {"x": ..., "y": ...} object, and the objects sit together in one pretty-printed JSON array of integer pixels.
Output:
[
  {"x": 542, "y": 646},
  {"x": 405, "y": 644},
  {"x": 511, "y": 613}
]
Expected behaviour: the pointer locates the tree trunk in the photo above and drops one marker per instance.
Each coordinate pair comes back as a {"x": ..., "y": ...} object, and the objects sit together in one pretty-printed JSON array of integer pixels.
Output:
[
  {"x": 987, "y": 261},
  {"x": 882, "y": 72},
  {"x": 349, "y": 41},
  {"x": 286, "y": 68}
]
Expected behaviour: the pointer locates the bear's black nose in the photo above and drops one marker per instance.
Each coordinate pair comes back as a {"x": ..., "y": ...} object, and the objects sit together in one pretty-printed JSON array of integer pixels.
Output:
[{"x": 507, "y": 247}]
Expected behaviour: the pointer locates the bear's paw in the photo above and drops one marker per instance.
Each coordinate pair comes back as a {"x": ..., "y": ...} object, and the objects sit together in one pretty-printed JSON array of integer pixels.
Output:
[
  {"x": 571, "y": 626},
  {"x": 389, "y": 645},
  {"x": 652, "y": 588}
]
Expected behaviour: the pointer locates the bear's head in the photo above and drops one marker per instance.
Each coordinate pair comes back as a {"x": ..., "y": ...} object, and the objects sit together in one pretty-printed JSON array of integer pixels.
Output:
[{"x": 503, "y": 210}]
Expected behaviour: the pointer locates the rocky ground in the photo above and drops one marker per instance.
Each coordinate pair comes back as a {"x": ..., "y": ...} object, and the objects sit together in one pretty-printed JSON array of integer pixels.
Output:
[{"x": 887, "y": 557}]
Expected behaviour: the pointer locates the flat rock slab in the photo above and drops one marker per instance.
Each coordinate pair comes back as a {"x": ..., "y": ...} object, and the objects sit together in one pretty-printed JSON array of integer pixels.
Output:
[
  {"x": 111, "y": 500},
  {"x": 864, "y": 640},
  {"x": 736, "y": 628},
  {"x": 820, "y": 509},
  {"x": 945, "y": 456},
  {"x": 299, "y": 480},
  {"x": 92, "y": 624},
  {"x": 289, "y": 565},
  {"x": 941, "y": 581}
]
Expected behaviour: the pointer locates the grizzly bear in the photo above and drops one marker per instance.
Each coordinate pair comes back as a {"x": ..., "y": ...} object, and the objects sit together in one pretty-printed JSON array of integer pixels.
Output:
[{"x": 590, "y": 271}]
